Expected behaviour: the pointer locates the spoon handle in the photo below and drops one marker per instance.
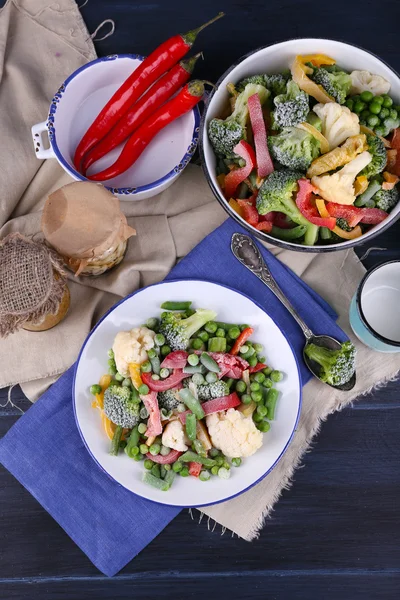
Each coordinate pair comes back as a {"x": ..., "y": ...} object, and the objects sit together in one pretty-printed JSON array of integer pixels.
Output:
[{"x": 249, "y": 255}]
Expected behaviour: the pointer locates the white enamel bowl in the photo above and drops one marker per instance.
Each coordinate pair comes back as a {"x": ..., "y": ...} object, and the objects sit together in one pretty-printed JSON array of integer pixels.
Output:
[
  {"x": 134, "y": 310},
  {"x": 273, "y": 59},
  {"x": 75, "y": 106}
]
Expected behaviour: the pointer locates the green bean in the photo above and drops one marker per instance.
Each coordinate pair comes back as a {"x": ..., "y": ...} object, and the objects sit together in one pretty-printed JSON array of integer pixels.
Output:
[
  {"x": 211, "y": 327},
  {"x": 164, "y": 373},
  {"x": 165, "y": 350},
  {"x": 195, "y": 369},
  {"x": 199, "y": 447},
  {"x": 276, "y": 376},
  {"x": 209, "y": 362},
  {"x": 211, "y": 377},
  {"x": 143, "y": 389},
  {"x": 122, "y": 444},
  {"x": 373, "y": 187},
  {"x": 135, "y": 398},
  {"x": 163, "y": 471},
  {"x": 225, "y": 326},
  {"x": 170, "y": 305},
  {"x": 155, "y": 470},
  {"x": 191, "y": 426},
  {"x": 160, "y": 484},
  {"x": 190, "y": 456},
  {"x": 193, "y": 360},
  {"x": 170, "y": 476},
  {"x": 148, "y": 464},
  {"x": 325, "y": 233},
  {"x": 264, "y": 426},
  {"x": 217, "y": 344},
  {"x": 152, "y": 323},
  {"x": 191, "y": 402},
  {"x": 155, "y": 364},
  {"x": 272, "y": 398},
  {"x": 116, "y": 441},
  {"x": 95, "y": 389},
  {"x": 288, "y": 234}
]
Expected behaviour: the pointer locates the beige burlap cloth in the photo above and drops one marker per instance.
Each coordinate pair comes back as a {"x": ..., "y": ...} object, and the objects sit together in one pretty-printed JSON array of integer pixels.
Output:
[{"x": 41, "y": 43}]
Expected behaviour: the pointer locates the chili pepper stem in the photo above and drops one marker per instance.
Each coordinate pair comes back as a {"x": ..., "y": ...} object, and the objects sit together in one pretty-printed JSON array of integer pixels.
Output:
[
  {"x": 196, "y": 87},
  {"x": 189, "y": 63},
  {"x": 191, "y": 35}
]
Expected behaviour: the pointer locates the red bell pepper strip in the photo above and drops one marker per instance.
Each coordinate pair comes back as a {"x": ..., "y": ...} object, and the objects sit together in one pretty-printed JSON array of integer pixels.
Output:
[
  {"x": 245, "y": 334},
  {"x": 264, "y": 226},
  {"x": 160, "y": 385},
  {"x": 159, "y": 93},
  {"x": 165, "y": 460},
  {"x": 180, "y": 104},
  {"x": 156, "y": 64},
  {"x": 175, "y": 360},
  {"x": 235, "y": 177},
  {"x": 264, "y": 161},
  {"x": 310, "y": 212},
  {"x": 194, "y": 469},
  {"x": 216, "y": 405},
  {"x": 269, "y": 217},
  {"x": 154, "y": 426},
  {"x": 355, "y": 215},
  {"x": 281, "y": 221},
  {"x": 395, "y": 144},
  {"x": 250, "y": 213},
  {"x": 258, "y": 367}
]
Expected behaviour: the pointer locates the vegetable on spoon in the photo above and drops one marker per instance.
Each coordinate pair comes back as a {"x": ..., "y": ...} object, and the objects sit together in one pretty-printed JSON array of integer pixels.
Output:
[
  {"x": 154, "y": 66},
  {"x": 187, "y": 99},
  {"x": 163, "y": 89}
]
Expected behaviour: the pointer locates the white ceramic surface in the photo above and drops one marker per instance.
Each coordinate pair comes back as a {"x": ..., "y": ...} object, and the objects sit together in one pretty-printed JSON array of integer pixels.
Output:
[
  {"x": 74, "y": 108},
  {"x": 133, "y": 311},
  {"x": 274, "y": 59},
  {"x": 380, "y": 301}
]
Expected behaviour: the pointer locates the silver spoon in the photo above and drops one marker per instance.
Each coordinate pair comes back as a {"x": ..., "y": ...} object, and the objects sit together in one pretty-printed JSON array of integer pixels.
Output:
[{"x": 247, "y": 253}]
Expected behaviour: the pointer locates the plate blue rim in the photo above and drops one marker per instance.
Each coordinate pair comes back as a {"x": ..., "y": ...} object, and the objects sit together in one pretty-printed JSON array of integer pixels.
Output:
[{"x": 178, "y": 281}]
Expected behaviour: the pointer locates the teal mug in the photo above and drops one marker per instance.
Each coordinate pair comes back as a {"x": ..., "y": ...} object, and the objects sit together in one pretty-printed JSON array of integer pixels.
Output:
[{"x": 375, "y": 308}]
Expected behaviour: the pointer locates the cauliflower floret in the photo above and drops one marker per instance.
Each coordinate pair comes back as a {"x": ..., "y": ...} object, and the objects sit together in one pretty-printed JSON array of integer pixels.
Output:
[
  {"x": 131, "y": 347},
  {"x": 338, "y": 122},
  {"x": 362, "y": 81},
  {"x": 174, "y": 436},
  {"x": 234, "y": 434},
  {"x": 339, "y": 187}
]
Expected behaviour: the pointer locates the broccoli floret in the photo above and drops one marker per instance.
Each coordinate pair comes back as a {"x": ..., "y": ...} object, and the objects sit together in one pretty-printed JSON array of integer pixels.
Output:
[
  {"x": 386, "y": 199},
  {"x": 378, "y": 152},
  {"x": 208, "y": 391},
  {"x": 168, "y": 399},
  {"x": 314, "y": 120},
  {"x": 277, "y": 83},
  {"x": 178, "y": 331},
  {"x": 337, "y": 366},
  {"x": 255, "y": 79},
  {"x": 119, "y": 408},
  {"x": 291, "y": 107},
  {"x": 226, "y": 134},
  {"x": 276, "y": 193},
  {"x": 294, "y": 148},
  {"x": 343, "y": 224},
  {"x": 336, "y": 83}
]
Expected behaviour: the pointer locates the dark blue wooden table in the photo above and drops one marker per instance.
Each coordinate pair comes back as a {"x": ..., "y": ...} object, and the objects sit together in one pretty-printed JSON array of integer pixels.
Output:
[{"x": 336, "y": 533}]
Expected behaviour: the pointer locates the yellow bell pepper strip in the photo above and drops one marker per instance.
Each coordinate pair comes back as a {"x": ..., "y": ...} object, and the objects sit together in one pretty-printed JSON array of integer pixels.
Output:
[
  {"x": 236, "y": 207},
  {"x": 108, "y": 426},
  {"x": 390, "y": 180},
  {"x": 221, "y": 181},
  {"x": 347, "y": 235},
  {"x": 339, "y": 156},
  {"x": 318, "y": 59},
  {"x": 105, "y": 381},
  {"x": 134, "y": 372},
  {"x": 324, "y": 144},
  {"x": 300, "y": 72},
  {"x": 360, "y": 184}
]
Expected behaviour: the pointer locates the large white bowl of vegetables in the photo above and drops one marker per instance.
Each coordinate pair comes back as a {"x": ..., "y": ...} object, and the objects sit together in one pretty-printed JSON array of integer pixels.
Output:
[{"x": 300, "y": 143}]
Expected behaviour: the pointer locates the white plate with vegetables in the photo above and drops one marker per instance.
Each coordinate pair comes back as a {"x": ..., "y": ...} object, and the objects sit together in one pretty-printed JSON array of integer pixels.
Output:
[{"x": 189, "y": 404}]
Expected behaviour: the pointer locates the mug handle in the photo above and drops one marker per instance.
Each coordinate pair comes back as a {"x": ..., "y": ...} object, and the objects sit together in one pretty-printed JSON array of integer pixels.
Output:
[{"x": 38, "y": 131}]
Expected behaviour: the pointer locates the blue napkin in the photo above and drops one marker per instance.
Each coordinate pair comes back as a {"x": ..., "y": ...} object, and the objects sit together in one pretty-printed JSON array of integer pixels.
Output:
[{"x": 110, "y": 524}]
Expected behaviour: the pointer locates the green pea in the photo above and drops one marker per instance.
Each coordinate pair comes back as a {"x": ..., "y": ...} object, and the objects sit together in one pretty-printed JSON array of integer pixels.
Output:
[
  {"x": 220, "y": 332},
  {"x": 148, "y": 464},
  {"x": 219, "y": 461},
  {"x": 241, "y": 387},
  {"x": 267, "y": 383},
  {"x": 365, "y": 114},
  {"x": 359, "y": 106},
  {"x": 112, "y": 371},
  {"x": 233, "y": 332},
  {"x": 356, "y": 97},
  {"x": 262, "y": 410},
  {"x": 143, "y": 389},
  {"x": 164, "y": 450},
  {"x": 151, "y": 353},
  {"x": 95, "y": 389},
  {"x": 373, "y": 120},
  {"x": 165, "y": 350},
  {"x": 203, "y": 335},
  {"x": 204, "y": 475},
  {"x": 214, "y": 470},
  {"x": 244, "y": 326},
  {"x": 236, "y": 462},
  {"x": 196, "y": 343},
  {"x": 378, "y": 99},
  {"x": 384, "y": 113},
  {"x": 366, "y": 96},
  {"x": 164, "y": 373},
  {"x": 177, "y": 467},
  {"x": 119, "y": 377},
  {"x": 252, "y": 360},
  {"x": 111, "y": 362},
  {"x": 387, "y": 102},
  {"x": 142, "y": 428},
  {"x": 152, "y": 323},
  {"x": 145, "y": 367},
  {"x": 393, "y": 114},
  {"x": 267, "y": 371},
  {"x": 193, "y": 360},
  {"x": 211, "y": 377},
  {"x": 155, "y": 449},
  {"x": 264, "y": 426},
  {"x": 159, "y": 339},
  {"x": 259, "y": 377},
  {"x": 244, "y": 349},
  {"x": 262, "y": 359},
  {"x": 258, "y": 348},
  {"x": 257, "y": 418},
  {"x": 256, "y": 396},
  {"x": 246, "y": 399},
  {"x": 184, "y": 472},
  {"x": 349, "y": 103},
  {"x": 211, "y": 327},
  {"x": 198, "y": 378},
  {"x": 255, "y": 387},
  {"x": 138, "y": 457},
  {"x": 143, "y": 449},
  {"x": 379, "y": 130},
  {"x": 167, "y": 467},
  {"x": 375, "y": 107},
  {"x": 276, "y": 376}
]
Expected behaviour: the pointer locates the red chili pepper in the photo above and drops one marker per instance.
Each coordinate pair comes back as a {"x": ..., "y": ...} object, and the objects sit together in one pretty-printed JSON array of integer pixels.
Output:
[
  {"x": 163, "y": 89},
  {"x": 175, "y": 360},
  {"x": 170, "y": 458},
  {"x": 194, "y": 469},
  {"x": 250, "y": 213},
  {"x": 310, "y": 212},
  {"x": 264, "y": 226},
  {"x": 161, "y": 385},
  {"x": 258, "y": 367},
  {"x": 235, "y": 177},
  {"x": 245, "y": 334},
  {"x": 154, "y": 426},
  {"x": 354, "y": 215},
  {"x": 187, "y": 98},
  {"x": 156, "y": 64},
  {"x": 264, "y": 161}
]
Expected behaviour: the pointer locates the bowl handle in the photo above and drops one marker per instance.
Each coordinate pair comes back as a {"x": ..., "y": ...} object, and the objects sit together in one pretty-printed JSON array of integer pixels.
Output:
[{"x": 38, "y": 131}]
